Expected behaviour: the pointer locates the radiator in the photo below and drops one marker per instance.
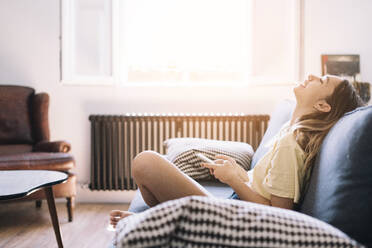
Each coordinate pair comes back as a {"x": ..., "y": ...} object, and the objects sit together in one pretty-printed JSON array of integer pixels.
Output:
[{"x": 115, "y": 140}]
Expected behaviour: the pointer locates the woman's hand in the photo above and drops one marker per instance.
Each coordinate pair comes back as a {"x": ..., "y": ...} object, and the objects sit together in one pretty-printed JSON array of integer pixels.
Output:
[{"x": 226, "y": 169}]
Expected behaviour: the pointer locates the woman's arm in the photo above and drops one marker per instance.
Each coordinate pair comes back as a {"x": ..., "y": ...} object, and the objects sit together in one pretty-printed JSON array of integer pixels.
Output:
[
  {"x": 245, "y": 193},
  {"x": 281, "y": 202},
  {"x": 229, "y": 172}
]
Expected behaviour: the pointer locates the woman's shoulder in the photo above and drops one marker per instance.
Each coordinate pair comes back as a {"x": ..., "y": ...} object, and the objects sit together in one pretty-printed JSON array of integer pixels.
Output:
[{"x": 288, "y": 139}]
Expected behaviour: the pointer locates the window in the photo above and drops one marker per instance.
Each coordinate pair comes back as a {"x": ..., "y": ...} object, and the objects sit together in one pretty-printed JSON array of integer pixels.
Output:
[
  {"x": 87, "y": 42},
  {"x": 186, "y": 40},
  {"x": 179, "y": 41}
]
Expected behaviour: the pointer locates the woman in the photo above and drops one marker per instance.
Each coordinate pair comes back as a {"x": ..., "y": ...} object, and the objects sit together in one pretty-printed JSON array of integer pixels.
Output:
[{"x": 280, "y": 176}]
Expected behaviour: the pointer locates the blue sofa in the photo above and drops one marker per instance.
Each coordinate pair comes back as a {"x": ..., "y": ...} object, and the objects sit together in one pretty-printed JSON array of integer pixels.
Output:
[{"x": 340, "y": 189}]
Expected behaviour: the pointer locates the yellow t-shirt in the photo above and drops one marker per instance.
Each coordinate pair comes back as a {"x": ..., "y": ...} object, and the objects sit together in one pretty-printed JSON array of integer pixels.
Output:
[{"x": 280, "y": 171}]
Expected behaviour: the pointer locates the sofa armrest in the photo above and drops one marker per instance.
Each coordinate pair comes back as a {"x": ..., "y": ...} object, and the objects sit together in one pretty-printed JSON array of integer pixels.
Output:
[{"x": 52, "y": 146}]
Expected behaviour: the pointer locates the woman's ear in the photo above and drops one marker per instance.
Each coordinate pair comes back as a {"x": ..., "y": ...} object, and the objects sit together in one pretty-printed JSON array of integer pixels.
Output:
[{"x": 322, "y": 106}]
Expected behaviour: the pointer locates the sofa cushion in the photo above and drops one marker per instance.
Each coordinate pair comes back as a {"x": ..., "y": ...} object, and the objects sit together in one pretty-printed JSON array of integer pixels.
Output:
[
  {"x": 183, "y": 153},
  {"x": 340, "y": 188},
  {"x": 37, "y": 161},
  {"x": 281, "y": 115},
  {"x": 198, "y": 221},
  {"x": 15, "y": 148},
  {"x": 15, "y": 122}
]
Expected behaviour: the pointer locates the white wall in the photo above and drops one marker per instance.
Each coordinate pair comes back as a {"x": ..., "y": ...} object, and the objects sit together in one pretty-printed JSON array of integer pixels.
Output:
[
  {"x": 29, "y": 55},
  {"x": 338, "y": 27}
]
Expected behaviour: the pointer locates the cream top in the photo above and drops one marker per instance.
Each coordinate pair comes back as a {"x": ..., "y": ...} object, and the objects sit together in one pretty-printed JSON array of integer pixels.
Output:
[{"x": 280, "y": 171}]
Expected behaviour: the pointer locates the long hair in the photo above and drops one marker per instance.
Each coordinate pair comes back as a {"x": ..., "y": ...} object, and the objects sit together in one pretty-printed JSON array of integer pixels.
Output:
[{"x": 311, "y": 129}]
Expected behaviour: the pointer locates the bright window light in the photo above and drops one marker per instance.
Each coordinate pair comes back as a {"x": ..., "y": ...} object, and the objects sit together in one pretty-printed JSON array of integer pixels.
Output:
[
  {"x": 176, "y": 42},
  {"x": 186, "y": 40}
]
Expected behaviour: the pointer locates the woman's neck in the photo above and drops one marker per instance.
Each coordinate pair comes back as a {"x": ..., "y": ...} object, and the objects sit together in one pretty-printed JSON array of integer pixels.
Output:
[{"x": 298, "y": 112}]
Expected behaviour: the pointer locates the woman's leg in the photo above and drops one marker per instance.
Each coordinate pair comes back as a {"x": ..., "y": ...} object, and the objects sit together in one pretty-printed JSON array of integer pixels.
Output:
[{"x": 159, "y": 180}]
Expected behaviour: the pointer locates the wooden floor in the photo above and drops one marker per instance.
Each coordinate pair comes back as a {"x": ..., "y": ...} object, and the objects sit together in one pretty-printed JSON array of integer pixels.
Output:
[{"x": 24, "y": 226}]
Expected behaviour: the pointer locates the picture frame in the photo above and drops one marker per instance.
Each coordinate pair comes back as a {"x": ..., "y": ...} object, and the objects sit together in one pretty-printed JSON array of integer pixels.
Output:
[{"x": 341, "y": 64}]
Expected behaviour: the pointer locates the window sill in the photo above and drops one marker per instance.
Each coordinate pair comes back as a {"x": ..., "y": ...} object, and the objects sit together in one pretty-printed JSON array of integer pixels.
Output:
[
  {"x": 88, "y": 83},
  {"x": 112, "y": 83}
]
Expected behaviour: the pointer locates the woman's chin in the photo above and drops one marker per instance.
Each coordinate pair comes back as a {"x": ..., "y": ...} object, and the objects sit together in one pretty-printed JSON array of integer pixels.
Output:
[{"x": 296, "y": 90}]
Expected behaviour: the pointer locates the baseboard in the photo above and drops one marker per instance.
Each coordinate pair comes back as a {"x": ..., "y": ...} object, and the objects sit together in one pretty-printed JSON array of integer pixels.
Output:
[{"x": 85, "y": 194}]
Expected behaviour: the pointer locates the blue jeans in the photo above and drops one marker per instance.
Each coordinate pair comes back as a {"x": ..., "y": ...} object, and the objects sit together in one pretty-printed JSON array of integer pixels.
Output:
[{"x": 234, "y": 196}]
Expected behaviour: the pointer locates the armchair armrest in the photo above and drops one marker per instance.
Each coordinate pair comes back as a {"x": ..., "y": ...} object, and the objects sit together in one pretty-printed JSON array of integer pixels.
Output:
[{"x": 52, "y": 146}]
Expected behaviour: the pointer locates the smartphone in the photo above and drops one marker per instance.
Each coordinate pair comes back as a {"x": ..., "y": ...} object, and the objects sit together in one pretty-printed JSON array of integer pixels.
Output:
[{"x": 204, "y": 158}]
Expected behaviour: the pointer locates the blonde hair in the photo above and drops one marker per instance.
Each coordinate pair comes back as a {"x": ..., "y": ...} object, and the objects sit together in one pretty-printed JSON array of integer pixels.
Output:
[{"x": 311, "y": 129}]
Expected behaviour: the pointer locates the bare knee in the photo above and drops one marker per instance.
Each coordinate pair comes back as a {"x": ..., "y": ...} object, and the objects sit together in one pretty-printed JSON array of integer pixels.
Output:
[{"x": 144, "y": 163}]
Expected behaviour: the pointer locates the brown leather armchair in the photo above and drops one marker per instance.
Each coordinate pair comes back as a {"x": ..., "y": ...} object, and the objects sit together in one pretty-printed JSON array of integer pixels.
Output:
[{"x": 24, "y": 141}]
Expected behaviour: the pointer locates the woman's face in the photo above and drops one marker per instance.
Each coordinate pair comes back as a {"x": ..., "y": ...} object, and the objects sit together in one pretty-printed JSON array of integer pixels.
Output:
[{"x": 314, "y": 90}]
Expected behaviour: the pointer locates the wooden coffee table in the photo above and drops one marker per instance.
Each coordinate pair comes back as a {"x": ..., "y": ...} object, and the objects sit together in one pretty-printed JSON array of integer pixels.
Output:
[{"x": 15, "y": 184}]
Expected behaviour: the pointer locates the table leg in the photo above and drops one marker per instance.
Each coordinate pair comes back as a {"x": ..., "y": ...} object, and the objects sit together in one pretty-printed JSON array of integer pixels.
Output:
[{"x": 53, "y": 215}]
